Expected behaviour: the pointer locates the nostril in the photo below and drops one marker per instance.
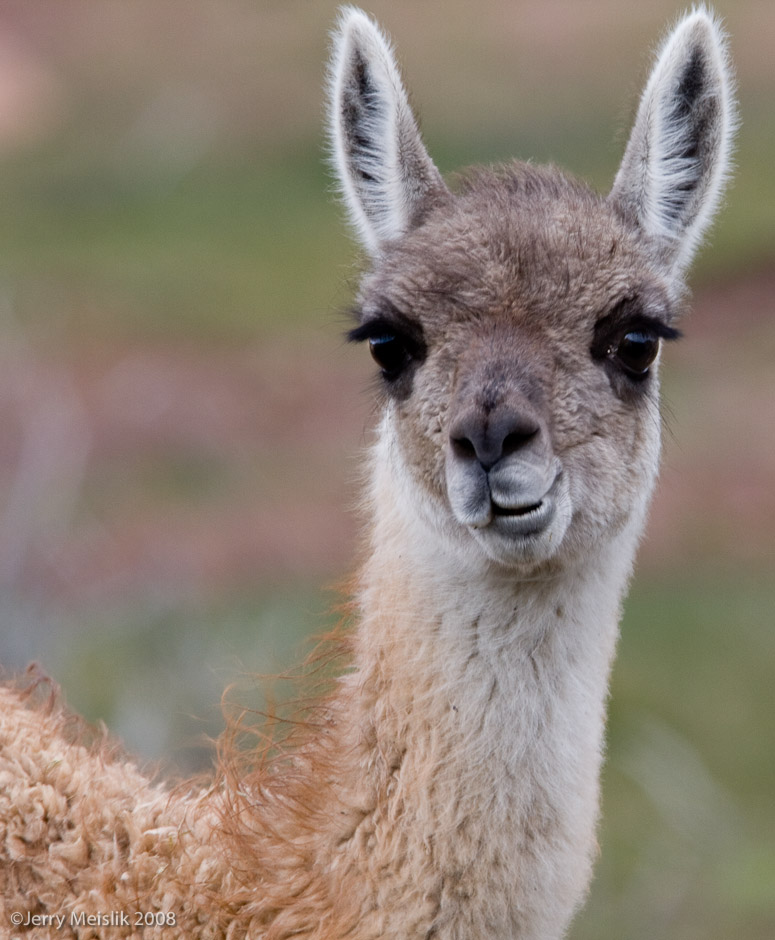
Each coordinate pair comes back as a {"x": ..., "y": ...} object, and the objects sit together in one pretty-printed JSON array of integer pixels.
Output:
[
  {"x": 516, "y": 440},
  {"x": 463, "y": 448}
]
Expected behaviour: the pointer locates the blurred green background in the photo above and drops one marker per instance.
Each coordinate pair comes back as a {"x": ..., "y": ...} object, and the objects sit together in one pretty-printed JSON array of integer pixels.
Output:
[{"x": 182, "y": 422}]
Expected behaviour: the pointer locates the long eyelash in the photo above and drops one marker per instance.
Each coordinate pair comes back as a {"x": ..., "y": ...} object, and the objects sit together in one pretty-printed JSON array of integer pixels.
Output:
[
  {"x": 658, "y": 327},
  {"x": 630, "y": 314},
  {"x": 371, "y": 329}
]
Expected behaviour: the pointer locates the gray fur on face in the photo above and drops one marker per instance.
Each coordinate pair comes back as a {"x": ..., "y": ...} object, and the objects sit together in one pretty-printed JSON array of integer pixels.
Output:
[{"x": 507, "y": 284}]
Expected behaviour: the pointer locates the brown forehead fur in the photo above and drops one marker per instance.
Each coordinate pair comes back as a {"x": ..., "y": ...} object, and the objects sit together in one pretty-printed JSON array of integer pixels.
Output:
[{"x": 522, "y": 240}]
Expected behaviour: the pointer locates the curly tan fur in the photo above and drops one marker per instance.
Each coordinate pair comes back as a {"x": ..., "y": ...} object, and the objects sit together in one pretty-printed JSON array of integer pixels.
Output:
[{"x": 83, "y": 831}]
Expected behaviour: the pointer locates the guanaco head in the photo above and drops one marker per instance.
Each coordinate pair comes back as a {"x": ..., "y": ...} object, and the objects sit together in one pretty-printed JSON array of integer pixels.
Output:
[{"x": 517, "y": 322}]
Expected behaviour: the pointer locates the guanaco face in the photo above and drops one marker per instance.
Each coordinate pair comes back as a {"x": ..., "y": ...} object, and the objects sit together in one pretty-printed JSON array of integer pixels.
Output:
[{"x": 517, "y": 323}]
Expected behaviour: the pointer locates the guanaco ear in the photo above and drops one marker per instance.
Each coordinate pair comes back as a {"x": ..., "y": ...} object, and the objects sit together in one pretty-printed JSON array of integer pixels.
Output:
[
  {"x": 386, "y": 176},
  {"x": 677, "y": 158}
]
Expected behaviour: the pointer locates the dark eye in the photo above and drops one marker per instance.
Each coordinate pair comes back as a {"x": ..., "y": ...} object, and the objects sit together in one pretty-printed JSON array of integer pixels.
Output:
[
  {"x": 390, "y": 353},
  {"x": 635, "y": 352}
]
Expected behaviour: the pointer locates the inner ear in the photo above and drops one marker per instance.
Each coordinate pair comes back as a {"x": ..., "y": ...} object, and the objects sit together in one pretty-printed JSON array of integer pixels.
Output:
[
  {"x": 388, "y": 180},
  {"x": 677, "y": 158}
]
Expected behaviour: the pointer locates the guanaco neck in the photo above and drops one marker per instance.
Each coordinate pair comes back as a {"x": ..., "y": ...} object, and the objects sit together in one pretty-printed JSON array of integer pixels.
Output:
[{"x": 476, "y": 722}]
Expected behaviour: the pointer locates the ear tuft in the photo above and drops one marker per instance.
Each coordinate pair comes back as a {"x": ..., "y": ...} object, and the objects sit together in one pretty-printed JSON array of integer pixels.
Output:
[
  {"x": 677, "y": 159},
  {"x": 386, "y": 176}
]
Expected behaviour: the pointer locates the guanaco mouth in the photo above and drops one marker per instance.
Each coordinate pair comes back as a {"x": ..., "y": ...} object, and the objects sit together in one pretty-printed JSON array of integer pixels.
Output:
[{"x": 516, "y": 510}]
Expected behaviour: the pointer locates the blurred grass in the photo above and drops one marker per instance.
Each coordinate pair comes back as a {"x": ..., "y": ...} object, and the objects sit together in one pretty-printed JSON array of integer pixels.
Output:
[
  {"x": 216, "y": 255},
  {"x": 688, "y": 833},
  {"x": 180, "y": 658}
]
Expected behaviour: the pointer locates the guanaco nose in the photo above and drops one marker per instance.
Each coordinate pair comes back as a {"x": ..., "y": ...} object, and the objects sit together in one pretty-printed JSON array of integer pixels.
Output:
[{"x": 489, "y": 437}]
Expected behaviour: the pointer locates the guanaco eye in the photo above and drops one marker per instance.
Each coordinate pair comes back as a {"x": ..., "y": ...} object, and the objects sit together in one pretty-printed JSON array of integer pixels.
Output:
[
  {"x": 635, "y": 352},
  {"x": 390, "y": 353}
]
